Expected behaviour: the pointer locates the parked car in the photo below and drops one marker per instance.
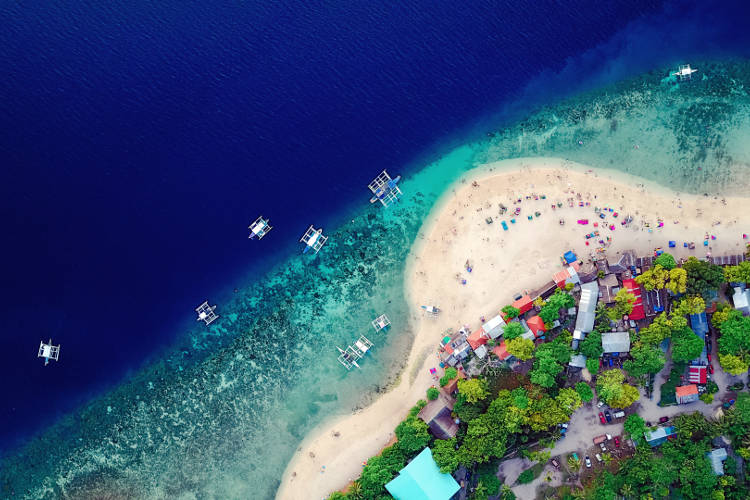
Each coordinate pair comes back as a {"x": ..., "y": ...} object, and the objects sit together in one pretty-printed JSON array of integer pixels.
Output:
[
  {"x": 608, "y": 416},
  {"x": 711, "y": 369},
  {"x": 565, "y": 425},
  {"x": 598, "y": 457},
  {"x": 601, "y": 418},
  {"x": 601, "y": 445},
  {"x": 588, "y": 462},
  {"x": 709, "y": 357},
  {"x": 602, "y": 438},
  {"x": 617, "y": 441},
  {"x": 619, "y": 414},
  {"x": 555, "y": 463},
  {"x": 600, "y": 404},
  {"x": 663, "y": 419}
]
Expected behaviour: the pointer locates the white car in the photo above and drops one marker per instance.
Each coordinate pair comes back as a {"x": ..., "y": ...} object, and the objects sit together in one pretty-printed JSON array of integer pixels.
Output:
[
  {"x": 588, "y": 462},
  {"x": 600, "y": 404},
  {"x": 598, "y": 457},
  {"x": 601, "y": 445}
]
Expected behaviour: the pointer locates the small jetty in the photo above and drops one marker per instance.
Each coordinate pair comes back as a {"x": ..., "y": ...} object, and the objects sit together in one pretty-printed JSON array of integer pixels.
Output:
[
  {"x": 353, "y": 353},
  {"x": 206, "y": 313},
  {"x": 384, "y": 189},
  {"x": 431, "y": 311},
  {"x": 259, "y": 228},
  {"x": 313, "y": 239},
  {"x": 684, "y": 72},
  {"x": 48, "y": 351},
  {"x": 381, "y": 323}
]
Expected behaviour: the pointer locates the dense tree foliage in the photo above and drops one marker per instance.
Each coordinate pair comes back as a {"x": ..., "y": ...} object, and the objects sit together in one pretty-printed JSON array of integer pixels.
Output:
[
  {"x": 734, "y": 343},
  {"x": 646, "y": 359},
  {"x": 592, "y": 365},
  {"x": 432, "y": 394},
  {"x": 686, "y": 345},
  {"x": 624, "y": 301},
  {"x": 635, "y": 427},
  {"x": 551, "y": 309},
  {"x": 739, "y": 273},
  {"x": 510, "y": 312},
  {"x": 520, "y": 347},
  {"x": 412, "y": 435},
  {"x": 474, "y": 389},
  {"x": 584, "y": 390},
  {"x": 703, "y": 277},
  {"x": 445, "y": 454},
  {"x": 662, "y": 327},
  {"x": 513, "y": 330},
  {"x": 611, "y": 388},
  {"x": 549, "y": 361},
  {"x": 591, "y": 346},
  {"x": 674, "y": 280},
  {"x": 689, "y": 305},
  {"x": 666, "y": 261}
]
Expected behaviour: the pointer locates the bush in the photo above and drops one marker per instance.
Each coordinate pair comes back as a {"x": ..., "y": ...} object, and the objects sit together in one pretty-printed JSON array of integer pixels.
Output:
[
  {"x": 412, "y": 435},
  {"x": 592, "y": 365},
  {"x": 706, "y": 398},
  {"x": 417, "y": 408},
  {"x": 432, "y": 394},
  {"x": 712, "y": 387},
  {"x": 583, "y": 390},
  {"x": 526, "y": 476}
]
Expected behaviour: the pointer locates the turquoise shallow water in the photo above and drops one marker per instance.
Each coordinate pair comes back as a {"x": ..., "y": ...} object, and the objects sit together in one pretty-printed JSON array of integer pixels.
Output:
[{"x": 222, "y": 413}]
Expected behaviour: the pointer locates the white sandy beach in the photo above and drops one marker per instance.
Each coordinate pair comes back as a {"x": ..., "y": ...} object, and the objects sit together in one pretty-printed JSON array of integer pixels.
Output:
[{"x": 504, "y": 264}]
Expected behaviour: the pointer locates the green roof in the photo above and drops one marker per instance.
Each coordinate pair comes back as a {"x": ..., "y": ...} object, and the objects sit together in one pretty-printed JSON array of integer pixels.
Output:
[
  {"x": 446, "y": 339},
  {"x": 422, "y": 480}
]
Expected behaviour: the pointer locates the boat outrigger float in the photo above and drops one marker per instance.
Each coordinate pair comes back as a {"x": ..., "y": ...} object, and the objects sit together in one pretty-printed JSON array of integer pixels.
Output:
[
  {"x": 384, "y": 189},
  {"x": 355, "y": 352},
  {"x": 313, "y": 239},
  {"x": 48, "y": 351},
  {"x": 259, "y": 228}
]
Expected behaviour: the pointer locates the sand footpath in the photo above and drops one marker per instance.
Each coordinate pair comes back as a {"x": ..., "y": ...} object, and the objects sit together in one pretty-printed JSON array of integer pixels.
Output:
[{"x": 505, "y": 263}]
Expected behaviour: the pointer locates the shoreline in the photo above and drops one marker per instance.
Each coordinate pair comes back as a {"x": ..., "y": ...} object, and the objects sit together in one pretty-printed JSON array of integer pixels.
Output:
[{"x": 455, "y": 231}]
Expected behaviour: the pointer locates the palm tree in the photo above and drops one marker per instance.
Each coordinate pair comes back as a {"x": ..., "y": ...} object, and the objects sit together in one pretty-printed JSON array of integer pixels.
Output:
[
  {"x": 578, "y": 493},
  {"x": 626, "y": 490},
  {"x": 355, "y": 491}
]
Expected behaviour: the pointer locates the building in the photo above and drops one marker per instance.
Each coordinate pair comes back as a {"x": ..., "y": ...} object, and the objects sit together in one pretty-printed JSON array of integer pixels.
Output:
[
  {"x": 501, "y": 351},
  {"x": 698, "y": 375},
  {"x": 567, "y": 275},
  {"x": 577, "y": 361},
  {"x": 586, "y": 311},
  {"x": 477, "y": 341},
  {"x": 686, "y": 394},
  {"x": 608, "y": 287},
  {"x": 494, "y": 327},
  {"x": 699, "y": 325},
  {"x": 536, "y": 325},
  {"x": 633, "y": 288},
  {"x": 454, "y": 349},
  {"x": 437, "y": 415},
  {"x": 741, "y": 299},
  {"x": 545, "y": 290},
  {"x": 523, "y": 304},
  {"x": 421, "y": 479},
  {"x": 717, "y": 457},
  {"x": 624, "y": 262},
  {"x": 616, "y": 342},
  {"x": 660, "y": 435}
]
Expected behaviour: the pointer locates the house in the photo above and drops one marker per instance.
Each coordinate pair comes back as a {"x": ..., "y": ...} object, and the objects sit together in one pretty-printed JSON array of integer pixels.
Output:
[
  {"x": 616, "y": 342},
  {"x": 608, "y": 287},
  {"x": 686, "y": 394},
  {"x": 454, "y": 349},
  {"x": 545, "y": 291},
  {"x": 586, "y": 311},
  {"x": 451, "y": 387},
  {"x": 635, "y": 289},
  {"x": 437, "y": 415},
  {"x": 698, "y": 375},
  {"x": 588, "y": 272},
  {"x": 741, "y": 299},
  {"x": 421, "y": 479},
  {"x": 523, "y": 304},
  {"x": 699, "y": 325},
  {"x": 501, "y": 351},
  {"x": 477, "y": 341},
  {"x": 717, "y": 457},
  {"x": 624, "y": 262},
  {"x": 577, "y": 361},
  {"x": 536, "y": 325},
  {"x": 660, "y": 435},
  {"x": 567, "y": 275},
  {"x": 494, "y": 327},
  {"x": 578, "y": 336}
]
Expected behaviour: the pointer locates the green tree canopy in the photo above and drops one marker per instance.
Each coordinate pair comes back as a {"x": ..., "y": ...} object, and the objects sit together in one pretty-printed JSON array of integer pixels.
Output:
[
  {"x": 732, "y": 364},
  {"x": 739, "y": 273},
  {"x": 690, "y": 305},
  {"x": 474, "y": 389},
  {"x": 520, "y": 347},
  {"x": 653, "y": 279},
  {"x": 686, "y": 345},
  {"x": 412, "y": 435},
  {"x": 432, "y": 394},
  {"x": 584, "y": 390},
  {"x": 611, "y": 388},
  {"x": 635, "y": 426},
  {"x": 513, "y": 330},
  {"x": 677, "y": 283},
  {"x": 735, "y": 335},
  {"x": 559, "y": 300},
  {"x": 569, "y": 400},
  {"x": 592, "y": 365},
  {"x": 549, "y": 362},
  {"x": 445, "y": 454},
  {"x": 666, "y": 261},
  {"x": 591, "y": 346},
  {"x": 646, "y": 359},
  {"x": 510, "y": 312},
  {"x": 624, "y": 301},
  {"x": 702, "y": 277}
]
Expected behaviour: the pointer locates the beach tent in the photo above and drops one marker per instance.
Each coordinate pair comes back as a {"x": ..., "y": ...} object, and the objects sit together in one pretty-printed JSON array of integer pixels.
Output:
[
  {"x": 422, "y": 480},
  {"x": 569, "y": 257}
]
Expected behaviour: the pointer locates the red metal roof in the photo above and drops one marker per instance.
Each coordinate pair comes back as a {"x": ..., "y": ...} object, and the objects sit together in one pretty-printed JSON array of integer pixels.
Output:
[
  {"x": 698, "y": 374},
  {"x": 477, "y": 338},
  {"x": 686, "y": 390},
  {"x": 448, "y": 348},
  {"x": 536, "y": 325},
  {"x": 523, "y": 304},
  {"x": 633, "y": 288},
  {"x": 560, "y": 277},
  {"x": 501, "y": 351}
]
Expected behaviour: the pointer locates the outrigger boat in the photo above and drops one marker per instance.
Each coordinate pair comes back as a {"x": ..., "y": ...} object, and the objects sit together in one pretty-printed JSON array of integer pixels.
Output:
[
  {"x": 313, "y": 238},
  {"x": 384, "y": 189},
  {"x": 48, "y": 351},
  {"x": 684, "y": 72},
  {"x": 259, "y": 228}
]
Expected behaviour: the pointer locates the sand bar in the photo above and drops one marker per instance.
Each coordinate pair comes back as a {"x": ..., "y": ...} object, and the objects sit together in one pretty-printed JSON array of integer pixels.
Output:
[{"x": 505, "y": 263}]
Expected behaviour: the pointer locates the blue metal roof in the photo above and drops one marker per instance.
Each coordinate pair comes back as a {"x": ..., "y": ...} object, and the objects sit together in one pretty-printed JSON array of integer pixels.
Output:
[
  {"x": 422, "y": 480},
  {"x": 570, "y": 257}
]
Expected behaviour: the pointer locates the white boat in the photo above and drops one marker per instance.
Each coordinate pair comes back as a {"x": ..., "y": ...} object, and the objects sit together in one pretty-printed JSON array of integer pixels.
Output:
[
  {"x": 259, "y": 228},
  {"x": 48, "y": 351},
  {"x": 684, "y": 72}
]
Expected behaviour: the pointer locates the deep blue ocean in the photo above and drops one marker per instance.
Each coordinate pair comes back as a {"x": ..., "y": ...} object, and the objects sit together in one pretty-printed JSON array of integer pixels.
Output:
[{"x": 138, "y": 140}]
